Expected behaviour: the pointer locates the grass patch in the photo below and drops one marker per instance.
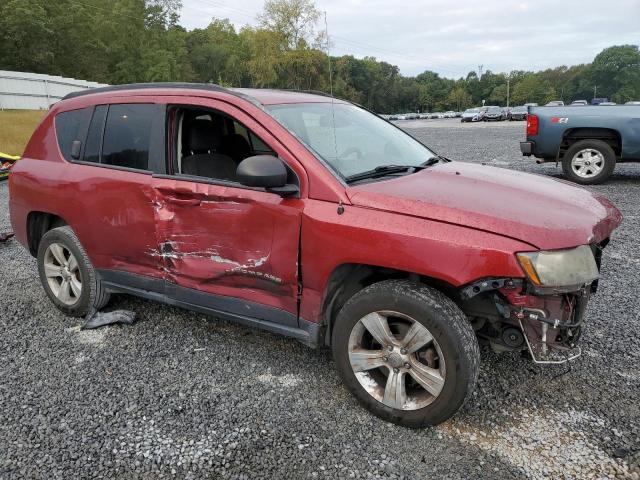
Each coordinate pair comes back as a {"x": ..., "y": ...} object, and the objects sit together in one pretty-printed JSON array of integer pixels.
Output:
[{"x": 16, "y": 127}]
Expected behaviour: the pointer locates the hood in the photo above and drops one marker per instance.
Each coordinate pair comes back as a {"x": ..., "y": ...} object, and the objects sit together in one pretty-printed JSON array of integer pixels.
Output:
[{"x": 541, "y": 211}]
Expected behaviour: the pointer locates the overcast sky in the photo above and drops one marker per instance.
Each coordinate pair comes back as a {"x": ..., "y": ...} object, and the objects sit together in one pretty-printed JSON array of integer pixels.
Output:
[{"x": 453, "y": 37}]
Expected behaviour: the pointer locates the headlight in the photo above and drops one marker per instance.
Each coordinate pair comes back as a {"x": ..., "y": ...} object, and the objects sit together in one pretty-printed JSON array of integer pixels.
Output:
[{"x": 560, "y": 268}]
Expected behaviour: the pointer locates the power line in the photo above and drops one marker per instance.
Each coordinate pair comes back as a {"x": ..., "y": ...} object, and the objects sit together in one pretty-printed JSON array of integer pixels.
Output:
[{"x": 111, "y": 12}]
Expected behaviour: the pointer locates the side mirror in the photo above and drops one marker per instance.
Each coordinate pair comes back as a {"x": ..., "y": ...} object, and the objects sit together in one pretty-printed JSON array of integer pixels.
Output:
[{"x": 265, "y": 171}]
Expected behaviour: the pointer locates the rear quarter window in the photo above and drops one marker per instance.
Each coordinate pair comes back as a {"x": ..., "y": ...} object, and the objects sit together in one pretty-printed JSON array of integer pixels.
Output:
[{"x": 71, "y": 126}]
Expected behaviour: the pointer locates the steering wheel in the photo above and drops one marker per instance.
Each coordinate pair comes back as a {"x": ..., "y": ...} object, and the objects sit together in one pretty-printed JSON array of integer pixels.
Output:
[{"x": 351, "y": 151}]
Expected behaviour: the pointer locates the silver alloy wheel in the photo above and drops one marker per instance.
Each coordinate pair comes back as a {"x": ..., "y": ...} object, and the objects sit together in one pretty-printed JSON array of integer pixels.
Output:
[
  {"x": 396, "y": 360},
  {"x": 587, "y": 163},
  {"x": 63, "y": 273}
]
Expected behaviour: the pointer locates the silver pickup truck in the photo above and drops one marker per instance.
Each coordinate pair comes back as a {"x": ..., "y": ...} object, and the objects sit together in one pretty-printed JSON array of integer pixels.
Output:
[{"x": 588, "y": 140}]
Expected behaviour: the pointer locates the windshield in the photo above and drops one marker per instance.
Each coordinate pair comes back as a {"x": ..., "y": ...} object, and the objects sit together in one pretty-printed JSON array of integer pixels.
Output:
[
  {"x": 494, "y": 109},
  {"x": 359, "y": 142}
]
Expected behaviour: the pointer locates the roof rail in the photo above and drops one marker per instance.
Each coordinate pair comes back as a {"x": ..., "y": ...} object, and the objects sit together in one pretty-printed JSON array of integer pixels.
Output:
[
  {"x": 312, "y": 92},
  {"x": 144, "y": 86}
]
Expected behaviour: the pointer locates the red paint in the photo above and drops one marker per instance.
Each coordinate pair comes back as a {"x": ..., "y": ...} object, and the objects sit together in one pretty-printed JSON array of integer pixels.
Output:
[
  {"x": 456, "y": 222},
  {"x": 541, "y": 211}
]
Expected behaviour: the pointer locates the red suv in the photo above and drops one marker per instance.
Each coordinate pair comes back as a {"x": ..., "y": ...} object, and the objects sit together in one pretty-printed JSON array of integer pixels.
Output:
[{"x": 310, "y": 217}]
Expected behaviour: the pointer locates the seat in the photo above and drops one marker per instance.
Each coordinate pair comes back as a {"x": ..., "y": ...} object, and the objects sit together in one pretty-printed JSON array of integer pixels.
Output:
[
  {"x": 201, "y": 141},
  {"x": 235, "y": 146}
]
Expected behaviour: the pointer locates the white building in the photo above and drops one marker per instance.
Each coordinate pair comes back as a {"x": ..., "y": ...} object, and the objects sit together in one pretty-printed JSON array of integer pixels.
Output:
[{"x": 35, "y": 91}]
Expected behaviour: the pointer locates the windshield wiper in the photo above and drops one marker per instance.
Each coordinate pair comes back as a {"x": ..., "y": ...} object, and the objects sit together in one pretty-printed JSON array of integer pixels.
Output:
[{"x": 382, "y": 170}]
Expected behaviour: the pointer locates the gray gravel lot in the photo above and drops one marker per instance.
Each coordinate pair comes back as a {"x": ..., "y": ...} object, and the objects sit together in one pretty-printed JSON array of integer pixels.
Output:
[{"x": 181, "y": 395}]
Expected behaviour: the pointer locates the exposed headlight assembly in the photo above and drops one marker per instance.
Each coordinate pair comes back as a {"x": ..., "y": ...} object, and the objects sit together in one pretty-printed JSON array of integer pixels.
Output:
[{"x": 560, "y": 268}]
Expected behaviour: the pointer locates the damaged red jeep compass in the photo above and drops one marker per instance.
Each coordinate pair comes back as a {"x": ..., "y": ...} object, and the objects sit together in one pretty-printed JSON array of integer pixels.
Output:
[{"x": 310, "y": 217}]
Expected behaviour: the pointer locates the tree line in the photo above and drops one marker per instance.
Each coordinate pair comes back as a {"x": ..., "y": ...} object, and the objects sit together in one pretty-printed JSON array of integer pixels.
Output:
[{"x": 127, "y": 41}]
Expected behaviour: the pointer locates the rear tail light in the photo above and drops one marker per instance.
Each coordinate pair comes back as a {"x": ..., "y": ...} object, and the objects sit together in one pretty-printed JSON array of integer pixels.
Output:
[{"x": 532, "y": 125}]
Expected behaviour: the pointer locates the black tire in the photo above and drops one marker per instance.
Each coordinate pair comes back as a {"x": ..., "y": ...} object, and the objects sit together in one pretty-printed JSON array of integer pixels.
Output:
[
  {"x": 93, "y": 293},
  {"x": 598, "y": 145},
  {"x": 444, "y": 320}
]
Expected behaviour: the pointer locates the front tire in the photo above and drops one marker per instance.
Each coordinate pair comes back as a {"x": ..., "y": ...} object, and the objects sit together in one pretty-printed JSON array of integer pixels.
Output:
[
  {"x": 67, "y": 275},
  {"x": 407, "y": 352},
  {"x": 589, "y": 162}
]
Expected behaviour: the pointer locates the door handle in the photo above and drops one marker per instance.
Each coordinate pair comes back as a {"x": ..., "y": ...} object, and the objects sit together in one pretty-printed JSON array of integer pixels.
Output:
[{"x": 184, "y": 201}]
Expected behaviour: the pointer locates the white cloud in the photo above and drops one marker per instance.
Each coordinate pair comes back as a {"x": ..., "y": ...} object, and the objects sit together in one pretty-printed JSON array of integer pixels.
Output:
[{"x": 454, "y": 37}]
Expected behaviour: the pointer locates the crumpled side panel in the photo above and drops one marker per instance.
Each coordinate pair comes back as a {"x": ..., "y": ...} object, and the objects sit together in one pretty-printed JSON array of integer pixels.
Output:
[{"x": 235, "y": 242}]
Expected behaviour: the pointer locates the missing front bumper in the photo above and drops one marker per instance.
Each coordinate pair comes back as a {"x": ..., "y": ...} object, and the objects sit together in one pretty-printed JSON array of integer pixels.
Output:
[
  {"x": 541, "y": 353},
  {"x": 552, "y": 332}
]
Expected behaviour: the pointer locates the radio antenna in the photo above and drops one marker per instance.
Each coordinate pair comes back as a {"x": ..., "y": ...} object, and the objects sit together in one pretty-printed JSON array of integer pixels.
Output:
[
  {"x": 326, "y": 33},
  {"x": 333, "y": 108}
]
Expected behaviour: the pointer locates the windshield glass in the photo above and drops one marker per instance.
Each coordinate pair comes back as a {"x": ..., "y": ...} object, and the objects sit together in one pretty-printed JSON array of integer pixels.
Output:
[
  {"x": 360, "y": 141},
  {"x": 494, "y": 109}
]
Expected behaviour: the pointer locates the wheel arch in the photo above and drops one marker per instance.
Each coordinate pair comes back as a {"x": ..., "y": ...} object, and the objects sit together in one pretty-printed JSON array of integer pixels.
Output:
[
  {"x": 608, "y": 135},
  {"x": 347, "y": 279},
  {"x": 39, "y": 223}
]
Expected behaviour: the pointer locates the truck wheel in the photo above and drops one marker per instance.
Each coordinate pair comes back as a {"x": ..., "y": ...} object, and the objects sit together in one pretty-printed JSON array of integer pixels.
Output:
[
  {"x": 406, "y": 352},
  {"x": 588, "y": 162},
  {"x": 67, "y": 275}
]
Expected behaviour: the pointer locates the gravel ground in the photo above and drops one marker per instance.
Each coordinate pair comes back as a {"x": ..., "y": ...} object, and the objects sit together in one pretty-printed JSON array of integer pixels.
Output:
[{"x": 179, "y": 395}]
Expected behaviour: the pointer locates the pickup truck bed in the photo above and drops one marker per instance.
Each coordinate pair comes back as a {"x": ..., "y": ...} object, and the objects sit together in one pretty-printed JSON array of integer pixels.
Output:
[{"x": 588, "y": 140}]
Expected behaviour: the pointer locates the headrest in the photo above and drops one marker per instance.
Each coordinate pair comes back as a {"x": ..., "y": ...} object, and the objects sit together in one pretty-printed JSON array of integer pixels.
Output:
[{"x": 202, "y": 136}]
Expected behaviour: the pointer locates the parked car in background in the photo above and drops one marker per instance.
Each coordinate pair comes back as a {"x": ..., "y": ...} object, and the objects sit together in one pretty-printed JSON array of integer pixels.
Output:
[
  {"x": 450, "y": 114},
  {"x": 471, "y": 115},
  {"x": 517, "y": 113},
  {"x": 494, "y": 114},
  {"x": 633, "y": 102},
  {"x": 589, "y": 141},
  {"x": 242, "y": 204},
  {"x": 401, "y": 116},
  {"x": 579, "y": 102},
  {"x": 423, "y": 115},
  {"x": 610, "y": 103},
  {"x": 555, "y": 103},
  {"x": 531, "y": 104}
]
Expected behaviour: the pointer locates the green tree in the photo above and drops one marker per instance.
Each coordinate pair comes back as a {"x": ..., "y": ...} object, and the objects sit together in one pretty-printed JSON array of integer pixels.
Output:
[
  {"x": 616, "y": 72},
  {"x": 294, "y": 20},
  {"x": 459, "y": 98}
]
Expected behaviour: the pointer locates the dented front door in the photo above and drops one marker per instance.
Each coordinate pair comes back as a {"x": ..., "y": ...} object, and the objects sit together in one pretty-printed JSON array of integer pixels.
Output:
[{"x": 229, "y": 248}]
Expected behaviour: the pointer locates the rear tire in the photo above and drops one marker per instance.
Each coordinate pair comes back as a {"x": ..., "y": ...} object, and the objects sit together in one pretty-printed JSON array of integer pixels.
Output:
[
  {"x": 589, "y": 162},
  {"x": 67, "y": 275},
  {"x": 434, "y": 380}
]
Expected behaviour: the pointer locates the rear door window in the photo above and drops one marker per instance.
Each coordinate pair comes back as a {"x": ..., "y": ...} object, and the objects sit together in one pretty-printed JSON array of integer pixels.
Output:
[
  {"x": 127, "y": 135},
  {"x": 70, "y": 127}
]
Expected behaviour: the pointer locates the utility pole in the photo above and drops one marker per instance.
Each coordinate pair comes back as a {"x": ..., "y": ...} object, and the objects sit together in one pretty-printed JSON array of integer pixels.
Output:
[
  {"x": 595, "y": 90},
  {"x": 508, "y": 80},
  {"x": 480, "y": 72}
]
